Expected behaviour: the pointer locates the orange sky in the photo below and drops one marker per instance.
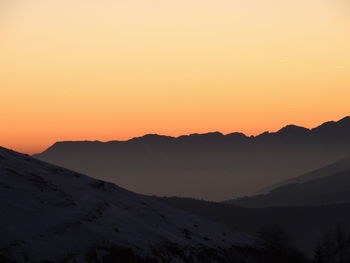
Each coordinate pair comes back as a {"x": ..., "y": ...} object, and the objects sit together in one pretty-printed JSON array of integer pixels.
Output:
[{"x": 106, "y": 69}]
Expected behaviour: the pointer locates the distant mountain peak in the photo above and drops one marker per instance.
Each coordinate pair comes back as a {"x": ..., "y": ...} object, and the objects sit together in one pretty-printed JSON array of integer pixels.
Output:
[
  {"x": 151, "y": 138},
  {"x": 337, "y": 129},
  {"x": 345, "y": 120},
  {"x": 237, "y": 135},
  {"x": 293, "y": 130}
]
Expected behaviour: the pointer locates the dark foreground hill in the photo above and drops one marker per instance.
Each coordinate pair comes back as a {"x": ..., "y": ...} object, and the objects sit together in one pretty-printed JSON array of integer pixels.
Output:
[
  {"x": 211, "y": 166},
  {"x": 50, "y": 214},
  {"x": 305, "y": 225}
]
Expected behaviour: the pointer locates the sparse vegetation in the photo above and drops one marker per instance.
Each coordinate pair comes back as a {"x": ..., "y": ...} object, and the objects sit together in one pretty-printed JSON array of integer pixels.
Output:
[
  {"x": 334, "y": 247},
  {"x": 274, "y": 245}
]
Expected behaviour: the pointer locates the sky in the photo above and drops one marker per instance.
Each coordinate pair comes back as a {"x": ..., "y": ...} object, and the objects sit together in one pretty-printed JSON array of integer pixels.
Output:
[{"x": 113, "y": 70}]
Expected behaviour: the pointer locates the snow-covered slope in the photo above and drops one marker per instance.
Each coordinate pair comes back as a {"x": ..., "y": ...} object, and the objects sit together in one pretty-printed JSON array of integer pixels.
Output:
[{"x": 50, "y": 213}]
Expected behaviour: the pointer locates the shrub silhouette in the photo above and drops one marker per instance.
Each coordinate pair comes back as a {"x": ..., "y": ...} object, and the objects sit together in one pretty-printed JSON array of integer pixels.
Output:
[
  {"x": 334, "y": 247},
  {"x": 274, "y": 246}
]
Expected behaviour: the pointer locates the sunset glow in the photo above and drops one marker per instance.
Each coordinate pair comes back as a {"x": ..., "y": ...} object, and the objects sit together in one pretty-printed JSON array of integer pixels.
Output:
[{"x": 112, "y": 70}]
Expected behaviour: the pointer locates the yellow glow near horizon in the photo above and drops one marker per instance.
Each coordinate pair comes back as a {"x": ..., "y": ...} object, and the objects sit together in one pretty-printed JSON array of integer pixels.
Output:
[{"x": 76, "y": 70}]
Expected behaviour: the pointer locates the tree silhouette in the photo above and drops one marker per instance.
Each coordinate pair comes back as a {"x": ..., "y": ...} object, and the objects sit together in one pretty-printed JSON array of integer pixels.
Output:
[
  {"x": 274, "y": 244},
  {"x": 334, "y": 247}
]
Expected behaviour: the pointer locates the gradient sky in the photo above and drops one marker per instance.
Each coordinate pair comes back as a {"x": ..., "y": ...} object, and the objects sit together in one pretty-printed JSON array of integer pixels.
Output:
[{"x": 110, "y": 69}]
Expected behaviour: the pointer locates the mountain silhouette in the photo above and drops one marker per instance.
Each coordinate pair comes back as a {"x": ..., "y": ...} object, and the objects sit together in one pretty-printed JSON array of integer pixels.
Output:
[
  {"x": 50, "y": 214},
  {"x": 329, "y": 185},
  {"x": 336, "y": 167},
  {"x": 210, "y": 166}
]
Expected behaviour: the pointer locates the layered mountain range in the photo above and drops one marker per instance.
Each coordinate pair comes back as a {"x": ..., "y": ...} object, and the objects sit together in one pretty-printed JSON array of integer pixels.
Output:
[{"x": 210, "y": 166}]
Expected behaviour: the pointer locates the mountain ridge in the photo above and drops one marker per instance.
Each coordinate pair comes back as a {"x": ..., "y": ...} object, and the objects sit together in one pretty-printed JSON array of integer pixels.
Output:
[
  {"x": 332, "y": 168},
  {"x": 289, "y": 129},
  {"x": 326, "y": 186}
]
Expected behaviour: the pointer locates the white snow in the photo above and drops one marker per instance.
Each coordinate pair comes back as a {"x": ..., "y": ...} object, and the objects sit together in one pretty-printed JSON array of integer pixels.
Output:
[{"x": 48, "y": 212}]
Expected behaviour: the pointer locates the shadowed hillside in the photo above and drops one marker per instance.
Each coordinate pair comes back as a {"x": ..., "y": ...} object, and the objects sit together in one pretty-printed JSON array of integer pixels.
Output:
[
  {"x": 50, "y": 214},
  {"x": 306, "y": 225},
  {"x": 329, "y": 185},
  {"x": 337, "y": 167}
]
